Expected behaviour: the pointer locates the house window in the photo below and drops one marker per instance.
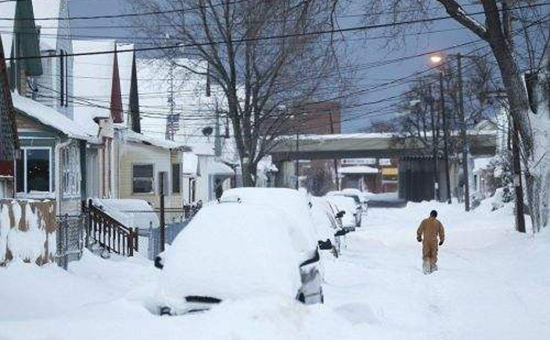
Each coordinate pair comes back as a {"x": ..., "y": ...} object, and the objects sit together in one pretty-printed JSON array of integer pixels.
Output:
[
  {"x": 71, "y": 172},
  {"x": 33, "y": 170},
  {"x": 176, "y": 178},
  {"x": 142, "y": 179}
]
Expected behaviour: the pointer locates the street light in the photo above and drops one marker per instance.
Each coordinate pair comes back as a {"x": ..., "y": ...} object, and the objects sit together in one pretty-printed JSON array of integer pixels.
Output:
[
  {"x": 439, "y": 60},
  {"x": 436, "y": 59}
]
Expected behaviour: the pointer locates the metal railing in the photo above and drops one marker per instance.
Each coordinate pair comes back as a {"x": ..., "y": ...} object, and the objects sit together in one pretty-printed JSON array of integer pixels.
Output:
[{"x": 110, "y": 233}]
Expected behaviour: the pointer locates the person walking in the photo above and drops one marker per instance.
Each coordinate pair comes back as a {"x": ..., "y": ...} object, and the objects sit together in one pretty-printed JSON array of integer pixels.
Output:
[{"x": 428, "y": 232}]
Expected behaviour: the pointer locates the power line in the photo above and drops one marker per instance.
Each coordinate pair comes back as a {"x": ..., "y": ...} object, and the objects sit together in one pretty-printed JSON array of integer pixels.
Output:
[{"x": 267, "y": 38}]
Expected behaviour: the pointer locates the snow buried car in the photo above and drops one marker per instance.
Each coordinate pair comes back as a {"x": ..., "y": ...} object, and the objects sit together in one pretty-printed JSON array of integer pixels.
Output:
[
  {"x": 351, "y": 217},
  {"x": 329, "y": 225},
  {"x": 236, "y": 250},
  {"x": 298, "y": 206}
]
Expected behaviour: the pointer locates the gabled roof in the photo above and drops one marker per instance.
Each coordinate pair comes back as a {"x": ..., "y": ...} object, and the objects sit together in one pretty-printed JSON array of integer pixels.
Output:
[
  {"x": 94, "y": 79},
  {"x": 9, "y": 141},
  {"x": 49, "y": 117},
  {"x": 9, "y": 13},
  {"x": 93, "y": 75}
]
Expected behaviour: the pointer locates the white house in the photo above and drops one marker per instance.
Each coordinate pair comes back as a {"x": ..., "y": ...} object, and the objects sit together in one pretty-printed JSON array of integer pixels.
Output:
[{"x": 198, "y": 123}]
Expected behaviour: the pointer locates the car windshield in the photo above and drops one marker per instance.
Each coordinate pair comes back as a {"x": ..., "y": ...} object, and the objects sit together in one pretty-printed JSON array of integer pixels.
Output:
[{"x": 355, "y": 198}]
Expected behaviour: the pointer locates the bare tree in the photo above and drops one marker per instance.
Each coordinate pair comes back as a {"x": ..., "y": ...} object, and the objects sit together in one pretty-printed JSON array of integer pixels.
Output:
[
  {"x": 507, "y": 25},
  {"x": 264, "y": 55}
]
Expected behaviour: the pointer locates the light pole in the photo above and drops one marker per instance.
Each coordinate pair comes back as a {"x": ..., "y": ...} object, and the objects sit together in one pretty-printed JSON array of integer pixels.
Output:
[
  {"x": 435, "y": 147},
  {"x": 463, "y": 135},
  {"x": 438, "y": 60}
]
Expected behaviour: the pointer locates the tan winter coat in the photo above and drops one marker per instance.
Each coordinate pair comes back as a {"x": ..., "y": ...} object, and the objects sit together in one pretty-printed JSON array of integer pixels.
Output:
[{"x": 429, "y": 230}]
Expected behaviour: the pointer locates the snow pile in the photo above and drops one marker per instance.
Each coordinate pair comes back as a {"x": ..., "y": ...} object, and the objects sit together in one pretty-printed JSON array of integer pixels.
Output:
[
  {"x": 23, "y": 235},
  {"x": 230, "y": 251},
  {"x": 493, "y": 283},
  {"x": 131, "y": 213},
  {"x": 109, "y": 295}
]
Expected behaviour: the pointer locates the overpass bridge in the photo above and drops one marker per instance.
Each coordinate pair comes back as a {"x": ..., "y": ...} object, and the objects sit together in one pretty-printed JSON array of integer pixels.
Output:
[
  {"x": 375, "y": 145},
  {"x": 369, "y": 145}
]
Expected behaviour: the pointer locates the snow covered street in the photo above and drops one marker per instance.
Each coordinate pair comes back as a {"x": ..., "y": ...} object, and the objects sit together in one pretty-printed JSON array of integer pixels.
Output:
[{"x": 493, "y": 283}]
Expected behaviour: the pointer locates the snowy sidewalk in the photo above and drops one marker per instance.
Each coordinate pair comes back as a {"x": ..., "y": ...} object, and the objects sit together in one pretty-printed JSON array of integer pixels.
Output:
[{"x": 493, "y": 283}]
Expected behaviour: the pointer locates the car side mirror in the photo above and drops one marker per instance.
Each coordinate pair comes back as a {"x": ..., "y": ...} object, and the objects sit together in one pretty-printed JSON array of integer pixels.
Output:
[
  {"x": 159, "y": 262},
  {"x": 325, "y": 245},
  {"x": 340, "y": 214},
  {"x": 341, "y": 232}
]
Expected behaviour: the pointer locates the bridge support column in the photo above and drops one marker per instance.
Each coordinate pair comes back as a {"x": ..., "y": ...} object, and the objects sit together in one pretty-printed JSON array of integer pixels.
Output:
[{"x": 285, "y": 177}]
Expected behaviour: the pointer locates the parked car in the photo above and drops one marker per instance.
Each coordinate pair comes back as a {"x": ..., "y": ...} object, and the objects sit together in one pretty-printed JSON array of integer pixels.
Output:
[
  {"x": 327, "y": 217},
  {"x": 358, "y": 198},
  {"x": 233, "y": 250},
  {"x": 363, "y": 198},
  {"x": 296, "y": 204},
  {"x": 351, "y": 218}
]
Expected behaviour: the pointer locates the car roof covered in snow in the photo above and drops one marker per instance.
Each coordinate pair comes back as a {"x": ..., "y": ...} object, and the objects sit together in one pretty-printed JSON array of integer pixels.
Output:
[
  {"x": 288, "y": 201},
  {"x": 230, "y": 251}
]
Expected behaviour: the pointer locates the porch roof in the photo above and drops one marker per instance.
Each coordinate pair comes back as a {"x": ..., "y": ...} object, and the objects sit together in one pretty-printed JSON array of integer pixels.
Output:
[{"x": 358, "y": 169}]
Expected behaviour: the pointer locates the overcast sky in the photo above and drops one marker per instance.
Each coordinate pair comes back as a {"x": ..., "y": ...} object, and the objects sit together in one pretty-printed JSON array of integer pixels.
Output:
[{"x": 359, "y": 112}]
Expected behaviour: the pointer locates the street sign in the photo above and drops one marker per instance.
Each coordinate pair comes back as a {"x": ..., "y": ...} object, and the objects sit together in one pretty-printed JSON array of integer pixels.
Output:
[{"x": 358, "y": 161}]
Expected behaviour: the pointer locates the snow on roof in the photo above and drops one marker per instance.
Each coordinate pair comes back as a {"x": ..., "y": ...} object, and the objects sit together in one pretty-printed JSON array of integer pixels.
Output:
[
  {"x": 93, "y": 74},
  {"x": 220, "y": 169},
  {"x": 161, "y": 143},
  {"x": 7, "y": 10},
  {"x": 49, "y": 117},
  {"x": 358, "y": 169},
  {"x": 203, "y": 149}
]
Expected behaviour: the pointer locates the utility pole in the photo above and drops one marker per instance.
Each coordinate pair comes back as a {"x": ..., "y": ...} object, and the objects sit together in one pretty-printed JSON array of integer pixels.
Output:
[
  {"x": 435, "y": 147},
  {"x": 334, "y": 160},
  {"x": 463, "y": 135},
  {"x": 162, "y": 219},
  {"x": 170, "y": 120},
  {"x": 297, "y": 163},
  {"x": 445, "y": 137}
]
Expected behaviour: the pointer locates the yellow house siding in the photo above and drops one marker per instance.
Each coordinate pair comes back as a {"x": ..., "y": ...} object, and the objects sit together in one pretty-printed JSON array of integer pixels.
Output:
[{"x": 161, "y": 159}]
